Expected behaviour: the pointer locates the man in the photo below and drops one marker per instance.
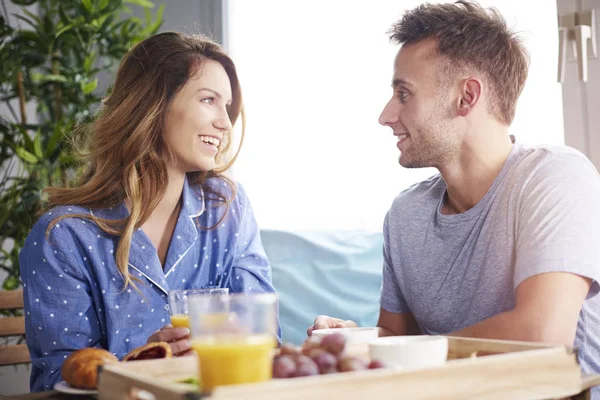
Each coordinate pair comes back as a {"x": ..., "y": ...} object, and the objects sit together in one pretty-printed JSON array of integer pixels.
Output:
[{"x": 505, "y": 242}]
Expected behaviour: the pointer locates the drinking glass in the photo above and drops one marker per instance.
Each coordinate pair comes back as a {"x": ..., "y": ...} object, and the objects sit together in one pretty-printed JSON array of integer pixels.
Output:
[
  {"x": 234, "y": 337},
  {"x": 178, "y": 303}
]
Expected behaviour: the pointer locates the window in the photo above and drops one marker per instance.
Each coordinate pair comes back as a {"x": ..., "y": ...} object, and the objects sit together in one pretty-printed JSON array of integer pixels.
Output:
[{"x": 316, "y": 75}]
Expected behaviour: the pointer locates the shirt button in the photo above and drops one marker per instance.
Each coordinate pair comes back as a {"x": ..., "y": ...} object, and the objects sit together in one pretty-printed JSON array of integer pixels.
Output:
[{"x": 166, "y": 307}]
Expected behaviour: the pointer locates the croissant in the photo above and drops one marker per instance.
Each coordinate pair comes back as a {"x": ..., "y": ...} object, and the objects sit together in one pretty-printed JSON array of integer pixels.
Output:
[
  {"x": 150, "y": 351},
  {"x": 80, "y": 369}
]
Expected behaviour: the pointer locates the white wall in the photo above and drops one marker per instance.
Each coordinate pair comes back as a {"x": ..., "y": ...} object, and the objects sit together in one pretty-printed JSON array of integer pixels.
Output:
[
  {"x": 315, "y": 77},
  {"x": 581, "y": 100}
]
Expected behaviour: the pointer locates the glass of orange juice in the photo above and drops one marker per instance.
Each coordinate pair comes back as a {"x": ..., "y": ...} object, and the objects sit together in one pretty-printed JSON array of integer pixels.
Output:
[
  {"x": 234, "y": 337},
  {"x": 178, "y": 303}
]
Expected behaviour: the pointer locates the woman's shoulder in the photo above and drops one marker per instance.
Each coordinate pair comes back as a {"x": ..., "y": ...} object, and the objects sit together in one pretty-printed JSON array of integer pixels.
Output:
[
  {"x": 63, "y": 223},
  {"x": 65, "y": 214}
]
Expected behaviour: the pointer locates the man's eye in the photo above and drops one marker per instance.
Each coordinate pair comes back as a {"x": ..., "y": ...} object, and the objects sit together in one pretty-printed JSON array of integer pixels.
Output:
[{"x": 402, "y": 95}]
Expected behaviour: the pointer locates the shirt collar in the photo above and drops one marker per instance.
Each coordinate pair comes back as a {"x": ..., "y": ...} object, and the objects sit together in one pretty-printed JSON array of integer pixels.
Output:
[{"x": 143, "y": 258}]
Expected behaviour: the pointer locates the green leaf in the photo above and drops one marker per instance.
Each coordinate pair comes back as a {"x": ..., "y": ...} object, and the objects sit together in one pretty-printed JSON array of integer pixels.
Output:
[
  {"x": 48, "y": 25},
  {"x": 11, "y": 283},
  {"x": 89, "y": 87},
  {"x": 28, "y": 35},
  {"x": 26, "y": 138},
  {"x": 63, "y": 30},
  {"x": 87, "y": 4},
  {"x": 64, "y": 18},
  {"x": 107, "y": 22},
  {"x": 4, "y": 213},
  {"x": 152, "y": 29},
  {"x": 43, "y": 78},
  {"x": 26, "y": 156},
  {"x": 103, "y": 4},
  {"x": 55, "y": 138},
  {"x": 34, "y": 17},
  {"x": 141, "y": 3},
  {"x": 98, "y": 22},
  {"x": 24, "y": 2},
  {"x": 113, "y": 6},
  {"x": 89, "y": 61},
  {"x": 30, "y": 22},
  {"x": 37, "y": 145}
]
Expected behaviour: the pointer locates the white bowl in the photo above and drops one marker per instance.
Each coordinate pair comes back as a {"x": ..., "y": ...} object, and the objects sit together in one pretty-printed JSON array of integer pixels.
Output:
[
  {"x": 352, "y": 335},
  {"x": 410, "y": 351}
]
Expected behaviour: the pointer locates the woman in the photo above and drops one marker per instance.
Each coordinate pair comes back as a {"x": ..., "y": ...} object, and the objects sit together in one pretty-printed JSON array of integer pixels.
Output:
[{"x": 153, "y": 213}]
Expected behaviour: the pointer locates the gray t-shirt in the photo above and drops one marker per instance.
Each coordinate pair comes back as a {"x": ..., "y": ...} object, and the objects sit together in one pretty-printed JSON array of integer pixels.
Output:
[{"x": 541, "y": 214}]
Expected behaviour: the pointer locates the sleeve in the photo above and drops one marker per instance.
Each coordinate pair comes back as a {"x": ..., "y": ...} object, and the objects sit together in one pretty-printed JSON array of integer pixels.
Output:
[
  {"x": 558, "y": 221},
  {"x": 391, "y": 299},
  {"x": 60, "y": 316},
  {"x": 251, "y": 270}
]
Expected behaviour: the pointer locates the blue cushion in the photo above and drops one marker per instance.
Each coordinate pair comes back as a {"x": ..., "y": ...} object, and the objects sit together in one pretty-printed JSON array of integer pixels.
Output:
[{"x": 332, "y": 273}]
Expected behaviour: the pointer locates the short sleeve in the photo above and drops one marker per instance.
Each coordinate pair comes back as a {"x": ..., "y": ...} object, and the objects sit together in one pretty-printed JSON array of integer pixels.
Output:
[{"x": 558, "y": 221}]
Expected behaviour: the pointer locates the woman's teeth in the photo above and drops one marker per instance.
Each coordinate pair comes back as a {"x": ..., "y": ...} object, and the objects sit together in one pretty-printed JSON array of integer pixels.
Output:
[{"x": 212, "y": 141}]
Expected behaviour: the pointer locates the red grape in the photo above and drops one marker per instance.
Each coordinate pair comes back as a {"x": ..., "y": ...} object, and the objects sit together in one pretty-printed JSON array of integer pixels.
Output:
[
  {"x": 351, "y": 363},
  {"x": 326, "y": 362},
  {"x": 375, "y": 364},
  {"x": 334, "y": 343},
  {"x": 305, "y": 366},
  {"x": 284, "y": 366},
  {"x": 314, "y": 353}
]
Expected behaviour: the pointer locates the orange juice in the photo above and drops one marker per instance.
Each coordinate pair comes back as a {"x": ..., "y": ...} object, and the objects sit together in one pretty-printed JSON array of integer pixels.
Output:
[
  {"x": 232, "y": 359},
  {"x": 180, "y": 321}
]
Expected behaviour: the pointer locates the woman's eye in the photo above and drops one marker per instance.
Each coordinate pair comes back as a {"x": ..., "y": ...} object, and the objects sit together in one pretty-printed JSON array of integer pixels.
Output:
[{"x": 209, "y": 100}]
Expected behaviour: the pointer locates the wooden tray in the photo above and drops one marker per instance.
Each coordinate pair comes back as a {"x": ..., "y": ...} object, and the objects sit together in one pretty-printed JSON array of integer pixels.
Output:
[{"x": 477, "y": 369}]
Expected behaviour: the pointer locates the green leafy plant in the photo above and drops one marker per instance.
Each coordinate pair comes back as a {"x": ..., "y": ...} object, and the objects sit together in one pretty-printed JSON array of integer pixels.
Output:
[{"x": 50, "y": 62}]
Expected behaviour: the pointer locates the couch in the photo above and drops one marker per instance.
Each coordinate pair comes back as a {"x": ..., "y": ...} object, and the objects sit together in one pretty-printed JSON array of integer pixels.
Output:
[{"x": 332, "y": 273}]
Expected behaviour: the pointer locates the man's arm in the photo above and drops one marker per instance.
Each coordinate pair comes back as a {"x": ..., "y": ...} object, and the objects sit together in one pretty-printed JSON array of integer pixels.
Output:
[
  {"x": 556, "y": 254},
  {"x": 394, "y": 324},
  {"x": 546, "y": 310}
]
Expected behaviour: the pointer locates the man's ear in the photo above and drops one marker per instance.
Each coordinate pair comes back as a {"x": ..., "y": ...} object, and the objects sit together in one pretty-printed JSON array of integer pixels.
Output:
[{"x": 469, "y": 96}]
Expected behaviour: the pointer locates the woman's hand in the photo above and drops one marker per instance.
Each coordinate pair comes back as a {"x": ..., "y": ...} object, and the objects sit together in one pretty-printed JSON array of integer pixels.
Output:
[{"x": 178, "y": 338}]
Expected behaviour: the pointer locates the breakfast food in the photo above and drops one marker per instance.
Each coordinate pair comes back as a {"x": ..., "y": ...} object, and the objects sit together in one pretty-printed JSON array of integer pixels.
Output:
[
  {"x": 314, "y": 358},
  {"x": 150, "y": 351},
  {"x": 80, "y": 369}
]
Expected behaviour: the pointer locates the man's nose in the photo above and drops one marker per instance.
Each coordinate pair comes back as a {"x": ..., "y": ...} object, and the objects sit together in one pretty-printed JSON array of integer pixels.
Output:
[{"x": 389, "y": 116}]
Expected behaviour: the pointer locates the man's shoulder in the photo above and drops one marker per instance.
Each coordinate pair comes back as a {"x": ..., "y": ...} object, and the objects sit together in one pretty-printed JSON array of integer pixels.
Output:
[
  {"x": 552, "y": 161},
  {"x": 552, "y": 153}
]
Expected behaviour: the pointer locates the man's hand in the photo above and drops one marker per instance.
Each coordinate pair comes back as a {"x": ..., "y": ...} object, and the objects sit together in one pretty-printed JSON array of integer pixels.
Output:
[
  {"x": 325, "y": 322},
  {"x": 178, "y": 339}
]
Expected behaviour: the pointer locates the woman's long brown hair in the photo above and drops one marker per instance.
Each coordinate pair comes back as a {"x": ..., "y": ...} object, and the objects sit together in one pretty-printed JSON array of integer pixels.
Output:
[{"x": 127, "y": 157}]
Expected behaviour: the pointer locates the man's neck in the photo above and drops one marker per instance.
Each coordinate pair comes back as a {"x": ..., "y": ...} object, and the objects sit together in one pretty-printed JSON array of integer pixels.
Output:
[{"x": 471, "y": 175}]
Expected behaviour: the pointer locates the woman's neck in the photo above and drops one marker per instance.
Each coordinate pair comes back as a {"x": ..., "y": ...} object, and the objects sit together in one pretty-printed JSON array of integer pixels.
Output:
[{"x": 170, "y": 201}]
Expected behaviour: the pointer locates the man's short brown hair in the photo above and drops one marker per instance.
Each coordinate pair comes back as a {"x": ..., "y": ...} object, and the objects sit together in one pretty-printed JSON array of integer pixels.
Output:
[{"x": 470, "y": 36}]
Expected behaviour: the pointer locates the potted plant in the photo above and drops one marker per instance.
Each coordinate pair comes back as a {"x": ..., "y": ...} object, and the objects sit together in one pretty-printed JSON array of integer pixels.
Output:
[{"x": 51, "y": 60}]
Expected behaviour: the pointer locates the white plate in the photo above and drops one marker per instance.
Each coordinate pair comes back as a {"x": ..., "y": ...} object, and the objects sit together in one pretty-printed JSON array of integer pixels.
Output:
[{"x": 64, "y": 387}]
